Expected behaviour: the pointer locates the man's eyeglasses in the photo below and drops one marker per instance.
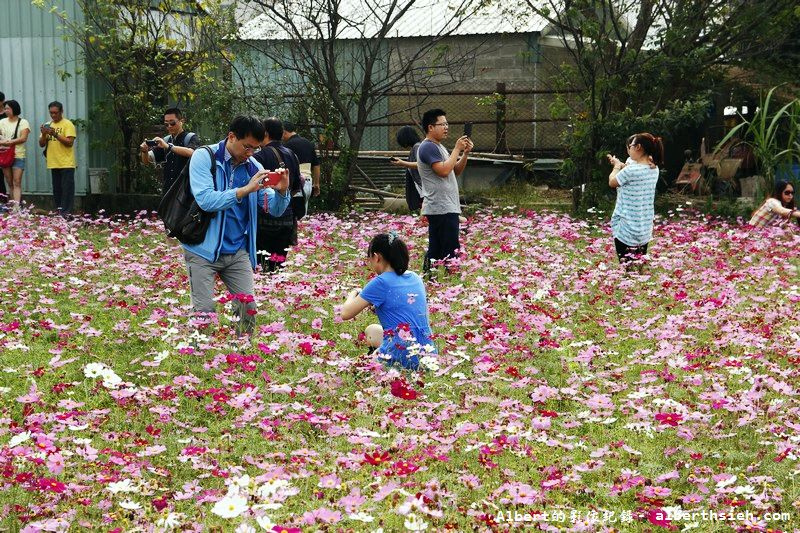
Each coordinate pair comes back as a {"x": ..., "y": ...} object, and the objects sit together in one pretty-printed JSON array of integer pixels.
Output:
[
  {"x": 445, "y": 124},
  {"x": 249, "y": 148},
  {"x": 170, "y": 122}
]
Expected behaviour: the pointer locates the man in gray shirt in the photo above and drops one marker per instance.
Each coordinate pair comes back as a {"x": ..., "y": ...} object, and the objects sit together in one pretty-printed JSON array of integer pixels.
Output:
[{"x": 438, "y": 171}]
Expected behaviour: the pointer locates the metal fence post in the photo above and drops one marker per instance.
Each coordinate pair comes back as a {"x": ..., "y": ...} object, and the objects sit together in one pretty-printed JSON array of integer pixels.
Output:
[{"x": 500, "y": 118}]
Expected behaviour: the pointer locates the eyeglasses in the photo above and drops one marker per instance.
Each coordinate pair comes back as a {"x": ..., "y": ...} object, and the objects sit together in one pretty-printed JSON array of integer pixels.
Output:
[
  {"x": 445, "y": 124},
  {"x": 170, "y": 122},
  {"x": 788, "y": 193},
  {"x": 249, "y": 148}
]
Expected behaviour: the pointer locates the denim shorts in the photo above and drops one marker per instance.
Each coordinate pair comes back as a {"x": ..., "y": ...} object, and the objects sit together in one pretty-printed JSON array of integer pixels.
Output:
[{"x": 19, "y": 163}]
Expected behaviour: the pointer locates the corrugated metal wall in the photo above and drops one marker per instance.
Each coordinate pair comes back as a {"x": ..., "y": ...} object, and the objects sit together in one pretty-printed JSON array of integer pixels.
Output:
[{"x": 32, "y": 53}]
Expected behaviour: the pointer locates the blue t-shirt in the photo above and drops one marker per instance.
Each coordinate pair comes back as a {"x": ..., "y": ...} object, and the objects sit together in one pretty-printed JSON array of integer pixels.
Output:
[
  {"x": 402, "y": 308},
  {"x": 234, "y": 238}
]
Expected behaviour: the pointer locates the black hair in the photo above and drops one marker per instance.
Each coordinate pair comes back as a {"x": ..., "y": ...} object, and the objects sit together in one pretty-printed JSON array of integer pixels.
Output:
[
  {"x": 289, "y": 126},
  {"x": 429, "y": 118},
  {"x": 392, "y": 249},
  {"x": 56, "y": 103},
  {"x": 274, "y": 128},
  {"x": 174, "y": 111},
  {"x": 243, "y": 126},
  {"x": 14, "y": 105},
  {"x": 651, "y": 145},
  {"x": 2, "y": 96},
  {"x": 407, "y": 136},
  {"x": 777, "y": 193}
]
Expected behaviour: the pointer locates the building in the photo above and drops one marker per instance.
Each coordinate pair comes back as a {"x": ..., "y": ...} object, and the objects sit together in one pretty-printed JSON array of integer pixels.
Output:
[{"x": 503, "y": 85}]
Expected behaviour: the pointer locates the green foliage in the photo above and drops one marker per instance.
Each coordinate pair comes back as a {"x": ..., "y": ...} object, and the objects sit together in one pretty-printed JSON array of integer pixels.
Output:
[
  {"x": 588, "y": 141},
  {"x": 630, "y": 63},
  {"x": 147, "y": 56},
  {"x": 773, "y": 135},
  {"x": 334, "y": 195}
]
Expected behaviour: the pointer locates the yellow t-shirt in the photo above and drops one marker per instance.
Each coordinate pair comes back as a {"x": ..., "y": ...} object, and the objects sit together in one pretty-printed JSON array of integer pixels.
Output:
[
  {"x": 7, "y": 133},
  {"x": 58, "y": 155}
]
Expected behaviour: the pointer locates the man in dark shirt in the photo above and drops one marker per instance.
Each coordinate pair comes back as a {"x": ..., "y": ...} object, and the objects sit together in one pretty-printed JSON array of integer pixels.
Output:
[
  {"x": 173, "y": 151},
  {"x": 304, "y": 150},
  {"x": 277, "y": 234}
]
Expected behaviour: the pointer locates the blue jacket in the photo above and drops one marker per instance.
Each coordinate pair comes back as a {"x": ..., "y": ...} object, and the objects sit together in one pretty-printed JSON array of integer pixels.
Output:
[{"x": 223, "y": 198}]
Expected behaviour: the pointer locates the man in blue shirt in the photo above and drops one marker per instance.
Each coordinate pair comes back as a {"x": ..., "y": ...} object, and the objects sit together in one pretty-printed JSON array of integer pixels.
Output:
[{"x": 229, "y": 248}]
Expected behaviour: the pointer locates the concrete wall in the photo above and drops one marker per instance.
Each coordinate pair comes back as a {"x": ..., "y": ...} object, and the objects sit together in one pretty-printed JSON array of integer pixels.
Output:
[{"x": 516, "y": 60}]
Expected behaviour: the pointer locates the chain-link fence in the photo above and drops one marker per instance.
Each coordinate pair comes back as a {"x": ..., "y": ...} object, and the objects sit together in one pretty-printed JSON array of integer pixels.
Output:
[{"x": 516, "y": 121}]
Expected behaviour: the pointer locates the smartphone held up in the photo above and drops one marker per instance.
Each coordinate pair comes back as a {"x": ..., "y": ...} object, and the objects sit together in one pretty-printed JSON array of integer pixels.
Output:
[
  {"x": 468, "y": 129},
  {"x": 272, "y": 178}
]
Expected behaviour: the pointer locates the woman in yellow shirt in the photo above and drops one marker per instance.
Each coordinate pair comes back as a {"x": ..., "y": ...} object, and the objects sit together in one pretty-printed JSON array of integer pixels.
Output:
[{"x": 14, "y": 131}]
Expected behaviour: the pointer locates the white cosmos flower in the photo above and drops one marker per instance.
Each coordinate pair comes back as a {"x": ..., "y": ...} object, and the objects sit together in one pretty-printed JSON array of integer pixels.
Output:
[
  {"x": 430, "y": 363},
  {"x": 271, "y": 487},
  {"x": 725, "y": 482},
  {"x": 171, "y": 521},
  {"x": 265, "y": 522},
  {"x": 93, "y": 370},
  {"x": 230, "y": 506},
  {"x": 361, "y": 517},
  {"x": 245, "y": 528},
  {"x": 19, "y": 438},
  {"x": 414, "y": 523},
  {"x": 240, "y": 484},
  {"x": 110, "y": 379},
  {"x": 129, "y": 505},
  {"x": 122, "y": 486}
]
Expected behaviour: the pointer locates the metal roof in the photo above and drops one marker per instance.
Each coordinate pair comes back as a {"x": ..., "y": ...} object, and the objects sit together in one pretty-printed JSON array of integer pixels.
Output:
[{"x": 426, "y": 18}]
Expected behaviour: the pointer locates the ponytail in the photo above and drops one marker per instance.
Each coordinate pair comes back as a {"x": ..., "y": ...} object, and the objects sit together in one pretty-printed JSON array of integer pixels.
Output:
[
  {"x": 392, "y": 249},
  {"x": 652, "y": 146}
]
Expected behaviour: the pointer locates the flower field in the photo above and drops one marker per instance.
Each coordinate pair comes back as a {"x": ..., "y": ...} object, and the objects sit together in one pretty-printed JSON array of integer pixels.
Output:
[{"x": 568, "y": 395}]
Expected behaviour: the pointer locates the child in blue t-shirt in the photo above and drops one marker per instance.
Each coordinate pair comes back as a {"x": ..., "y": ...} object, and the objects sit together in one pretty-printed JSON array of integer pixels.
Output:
[{"x": 398, "y": 297}]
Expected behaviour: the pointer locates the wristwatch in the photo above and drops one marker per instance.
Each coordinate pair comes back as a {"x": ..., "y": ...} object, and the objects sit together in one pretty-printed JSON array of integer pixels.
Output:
[{"x": 170, "y": 147}]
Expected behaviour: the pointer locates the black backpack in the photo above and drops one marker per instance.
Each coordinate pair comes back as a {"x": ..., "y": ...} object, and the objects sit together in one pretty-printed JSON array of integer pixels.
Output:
[
  {"x": 298, "y": 201},
  {"x": 183, "y": 219}
]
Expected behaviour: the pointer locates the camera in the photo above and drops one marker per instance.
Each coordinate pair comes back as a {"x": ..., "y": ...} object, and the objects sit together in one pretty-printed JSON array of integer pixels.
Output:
[{"x": 151, "y": 144}]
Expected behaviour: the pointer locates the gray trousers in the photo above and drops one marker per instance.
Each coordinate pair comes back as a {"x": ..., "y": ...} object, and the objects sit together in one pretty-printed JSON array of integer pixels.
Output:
[{"x": 235, "y": 272}]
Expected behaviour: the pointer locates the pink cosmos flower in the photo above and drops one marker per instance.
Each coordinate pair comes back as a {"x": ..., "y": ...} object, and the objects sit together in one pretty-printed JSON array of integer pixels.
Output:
[
  {"x": 286, "y": 529},
  {"x": 670, "y": 419},
  {"x": 331, "y": 481}
]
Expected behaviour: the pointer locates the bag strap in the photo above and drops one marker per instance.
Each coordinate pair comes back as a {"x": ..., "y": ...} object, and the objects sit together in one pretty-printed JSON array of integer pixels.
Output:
[
  {"x": 213, "y": 166},
  {"x": 277, "y": 154},
  {"x": 187, "y": 138},
  {"x": 16, "y": 130}
]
